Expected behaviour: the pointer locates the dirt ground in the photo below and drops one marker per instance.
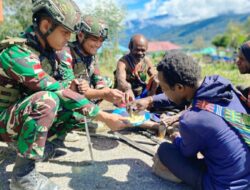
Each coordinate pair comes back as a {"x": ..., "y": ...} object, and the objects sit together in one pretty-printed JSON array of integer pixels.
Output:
[{"x": 116, "y": 166}]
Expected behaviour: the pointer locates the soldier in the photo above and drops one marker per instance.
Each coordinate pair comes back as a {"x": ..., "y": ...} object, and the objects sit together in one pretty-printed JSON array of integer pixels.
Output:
[
  {"x": 38, "y": 91},
  {"x": 93, "y": 32},
  {"x": 132, "y": 70},
  {"x": 90, "y": 37}
]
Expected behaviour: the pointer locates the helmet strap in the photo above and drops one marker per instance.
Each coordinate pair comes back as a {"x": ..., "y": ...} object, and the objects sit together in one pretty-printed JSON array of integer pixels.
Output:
[
  {"x": 84, "y": 39},
  {"x": 81, "y": 45},
  {"x": 86, "y": 36},
  {"x": 50, "y": 30},
  {"x": 45, "y": 36}
]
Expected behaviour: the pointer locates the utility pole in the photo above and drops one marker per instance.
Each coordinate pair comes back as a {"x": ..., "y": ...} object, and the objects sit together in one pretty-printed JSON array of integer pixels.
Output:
[{"x": 1, "y": 11}]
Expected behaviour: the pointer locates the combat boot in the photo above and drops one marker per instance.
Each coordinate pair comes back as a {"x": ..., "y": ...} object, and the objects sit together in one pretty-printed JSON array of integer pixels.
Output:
[
  {"x": 49, "y": 151},
  {"x": 25, "y": 177}
]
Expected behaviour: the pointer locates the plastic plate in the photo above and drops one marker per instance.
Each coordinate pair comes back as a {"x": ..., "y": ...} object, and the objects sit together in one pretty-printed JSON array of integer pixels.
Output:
[{"x": 123, "y": 112}]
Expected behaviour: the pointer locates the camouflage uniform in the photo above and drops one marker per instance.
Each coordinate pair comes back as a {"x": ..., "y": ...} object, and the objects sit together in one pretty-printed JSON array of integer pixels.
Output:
[
  {"x": 34, "y": 95},
  {"x": 86, "y": 67}
]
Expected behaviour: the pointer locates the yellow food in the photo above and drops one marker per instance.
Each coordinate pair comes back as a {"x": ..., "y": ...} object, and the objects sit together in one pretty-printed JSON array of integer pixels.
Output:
[{"x": 136, "y": 118}]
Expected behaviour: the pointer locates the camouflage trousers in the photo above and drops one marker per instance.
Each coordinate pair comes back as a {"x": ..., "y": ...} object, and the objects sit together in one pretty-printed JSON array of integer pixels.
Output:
[{"x": 30, "y": 122}]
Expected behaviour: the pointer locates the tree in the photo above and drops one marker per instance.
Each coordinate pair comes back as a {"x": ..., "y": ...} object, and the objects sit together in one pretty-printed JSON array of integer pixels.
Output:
[
  {"x": 110, "y": 12},
  {"x": 17, "y": 16},
  {"x": 1, "y": 11},
  {"x": 246, "y": 28},
  {"x": 221, "y": 41},
  {"x": 199, "y": 42},
  {"x": 236, "y": 33},
  {"x": 113, "y": 15}
]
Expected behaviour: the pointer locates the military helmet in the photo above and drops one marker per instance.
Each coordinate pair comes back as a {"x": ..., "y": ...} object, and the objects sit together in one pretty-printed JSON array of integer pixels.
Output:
[
  {"x": 93, "y": 26},
  {"x": 63, "y": 12}
]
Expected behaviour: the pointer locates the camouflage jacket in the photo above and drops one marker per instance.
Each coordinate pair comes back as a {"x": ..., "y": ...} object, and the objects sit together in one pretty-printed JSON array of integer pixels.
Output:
[
  {"x": 25, "y": 69},
  {"x": 86, "y": 67}
]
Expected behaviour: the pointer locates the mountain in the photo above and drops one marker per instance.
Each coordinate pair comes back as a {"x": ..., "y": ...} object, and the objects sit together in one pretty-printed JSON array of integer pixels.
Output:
[{"x": 163, "y": 28}]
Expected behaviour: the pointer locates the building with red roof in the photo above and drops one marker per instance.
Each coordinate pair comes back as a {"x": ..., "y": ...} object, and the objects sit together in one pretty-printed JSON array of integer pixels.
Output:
[{"x": 154, "y": 46}]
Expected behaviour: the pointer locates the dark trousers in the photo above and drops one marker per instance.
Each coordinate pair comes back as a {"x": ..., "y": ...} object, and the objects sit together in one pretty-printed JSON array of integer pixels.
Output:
[{"x": 189, "y": 170}]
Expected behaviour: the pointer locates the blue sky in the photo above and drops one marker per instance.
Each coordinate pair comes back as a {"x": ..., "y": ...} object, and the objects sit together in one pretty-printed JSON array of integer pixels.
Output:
[
  {"x": 133, "y": 5},
  {"x": 182, "y": 11}
]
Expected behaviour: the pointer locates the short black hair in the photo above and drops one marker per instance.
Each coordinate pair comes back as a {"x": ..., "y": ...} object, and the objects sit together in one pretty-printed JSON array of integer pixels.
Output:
[{"x": 177, "y": 67}]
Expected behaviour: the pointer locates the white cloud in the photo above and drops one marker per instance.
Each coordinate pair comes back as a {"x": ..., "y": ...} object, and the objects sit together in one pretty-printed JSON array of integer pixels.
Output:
[
  {"x": 147, "y": 10},
  {"x": 182, "y": 11},
  {"x": 151, "y": 9},
  {"x": 191, "y": 10},
  {"x": 133, "y": 14},
  {"x": 150, "y": 6}
]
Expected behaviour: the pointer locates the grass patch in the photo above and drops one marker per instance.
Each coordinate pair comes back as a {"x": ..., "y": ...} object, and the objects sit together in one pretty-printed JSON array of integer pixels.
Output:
[{"x": 226, "y": 70}]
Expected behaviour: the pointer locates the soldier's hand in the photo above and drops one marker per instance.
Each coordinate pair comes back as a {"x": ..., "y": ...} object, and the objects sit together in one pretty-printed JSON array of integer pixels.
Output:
[
  {"x": 113, "y": 121},
  {"x": 114, "y": 95},
  {"x": 83, "y": 86},
  {"x": 73, "y": 85}
]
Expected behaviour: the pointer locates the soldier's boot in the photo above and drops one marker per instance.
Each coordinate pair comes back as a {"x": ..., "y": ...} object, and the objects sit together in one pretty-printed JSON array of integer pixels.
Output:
[
  {"x": 51, "y": 150},
  {"x": 26, "y": 177}
]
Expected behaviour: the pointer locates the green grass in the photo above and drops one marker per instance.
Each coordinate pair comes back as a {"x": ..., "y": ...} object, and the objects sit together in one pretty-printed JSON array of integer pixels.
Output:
[
  {"x": 107, "y": 62},
  {"x": 227, "y": 70}
]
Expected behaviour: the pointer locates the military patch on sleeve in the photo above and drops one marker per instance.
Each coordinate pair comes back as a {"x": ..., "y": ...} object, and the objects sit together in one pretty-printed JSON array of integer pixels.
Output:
[{"x": 38, "y": 70}]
